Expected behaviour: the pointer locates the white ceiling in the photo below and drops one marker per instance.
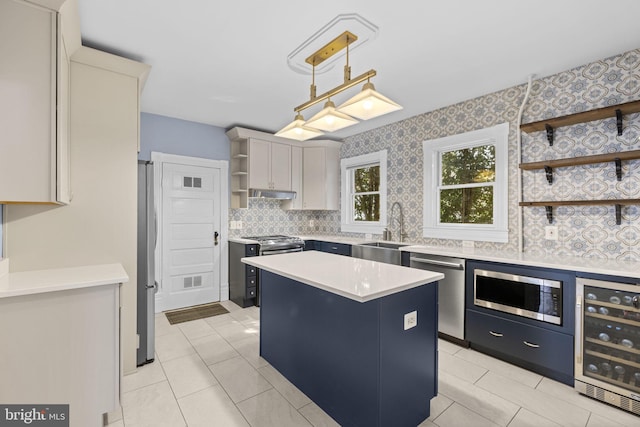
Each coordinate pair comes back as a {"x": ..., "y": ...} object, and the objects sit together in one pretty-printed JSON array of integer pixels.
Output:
[{"x": 225, "y": 63}]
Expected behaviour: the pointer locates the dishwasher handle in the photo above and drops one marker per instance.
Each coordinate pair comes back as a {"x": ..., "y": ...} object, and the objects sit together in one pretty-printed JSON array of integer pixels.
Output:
[{"x": 454, "y": 265}]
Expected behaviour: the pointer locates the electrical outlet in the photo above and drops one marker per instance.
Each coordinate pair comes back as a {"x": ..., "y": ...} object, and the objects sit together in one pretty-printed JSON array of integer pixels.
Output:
[
  {"x": 468, "y": 244},
  {"x": 410, "y": 320},
  {"x": 232, "y": 225},
  {"x": 311, "y": 223},
  {"x": 368, "y": 236},
  {"x": 551, "y": 232},
  {"x": 238, "y": 225}
]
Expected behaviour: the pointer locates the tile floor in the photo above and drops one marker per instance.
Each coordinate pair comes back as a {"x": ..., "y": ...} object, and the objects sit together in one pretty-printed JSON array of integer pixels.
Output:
[{"x": 208, "y": 373}]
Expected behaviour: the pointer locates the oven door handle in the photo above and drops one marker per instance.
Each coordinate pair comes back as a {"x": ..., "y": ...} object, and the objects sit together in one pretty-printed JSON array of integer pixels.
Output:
[
  {"x": 457, "y": 266},
  {"x": 280, "y": 251}
]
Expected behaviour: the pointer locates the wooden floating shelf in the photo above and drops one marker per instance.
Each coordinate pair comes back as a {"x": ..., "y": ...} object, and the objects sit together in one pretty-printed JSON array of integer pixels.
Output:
[
  {"x": 583, "y": 202},
  {"x": 549, "y": 204},
  {"x": 548, "y": 165},
  {"x": 585, "y": 160},
  {"x": 583, "y": 117}
]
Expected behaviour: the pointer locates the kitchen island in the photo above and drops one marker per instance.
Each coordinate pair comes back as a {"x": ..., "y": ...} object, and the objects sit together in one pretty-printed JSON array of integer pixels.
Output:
[{"x": 358, "y": 337}]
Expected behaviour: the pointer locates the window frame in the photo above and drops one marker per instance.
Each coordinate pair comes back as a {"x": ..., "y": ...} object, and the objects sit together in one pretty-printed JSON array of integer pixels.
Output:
[
  {"x": 432, "y": 150},
  {"x": 347, "y": 166}
]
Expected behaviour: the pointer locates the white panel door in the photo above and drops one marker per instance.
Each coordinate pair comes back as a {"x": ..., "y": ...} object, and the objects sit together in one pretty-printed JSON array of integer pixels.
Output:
[{"x": 191, "y": 229}]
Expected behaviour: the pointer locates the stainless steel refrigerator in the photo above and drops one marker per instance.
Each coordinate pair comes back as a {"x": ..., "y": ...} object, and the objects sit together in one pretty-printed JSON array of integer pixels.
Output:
[{"x": 147, "y": 285}]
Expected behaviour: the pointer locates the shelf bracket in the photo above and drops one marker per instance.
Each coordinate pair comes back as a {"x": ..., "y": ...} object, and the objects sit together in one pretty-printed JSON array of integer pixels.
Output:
[
  {"x": 549, "y": 173},
  {"x": 549, "y": 134},
  {"x": 619, "y": 121},
  {"x": 618, "y": 168},
  {"x": 618, "y": 214},
  {"x": 549, "y": 210}
]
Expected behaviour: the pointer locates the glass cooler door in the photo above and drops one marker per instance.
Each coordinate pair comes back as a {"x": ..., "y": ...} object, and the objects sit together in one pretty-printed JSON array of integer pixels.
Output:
[{"x": 608, "y": 346}]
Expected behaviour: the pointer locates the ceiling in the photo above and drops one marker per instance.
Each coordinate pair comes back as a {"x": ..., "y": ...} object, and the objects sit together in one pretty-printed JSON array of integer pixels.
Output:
[{"x": 225, "y": 63}]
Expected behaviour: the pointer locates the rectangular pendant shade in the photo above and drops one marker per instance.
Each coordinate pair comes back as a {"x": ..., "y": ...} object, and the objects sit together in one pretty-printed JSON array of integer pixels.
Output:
[
  {"x": 298, "y": 131},
  {"x": 329, "y": 119},
  {"x": 368, "y": 104}
]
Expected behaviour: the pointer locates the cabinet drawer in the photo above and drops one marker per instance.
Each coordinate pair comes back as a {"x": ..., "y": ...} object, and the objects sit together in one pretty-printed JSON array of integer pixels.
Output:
[
  {"x": 251, "y": 282},
  {"x": 251, "y": 250},
  {"x": 250, "y": 271},
  {"x": 549, "y": 349},
  {"x": 334, "y": 248},
  {"x": 251, "y": 292}
]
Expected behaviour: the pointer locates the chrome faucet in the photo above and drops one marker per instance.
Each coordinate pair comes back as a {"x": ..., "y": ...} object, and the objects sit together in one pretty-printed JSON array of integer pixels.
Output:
[{"x": 402, "y": 233}]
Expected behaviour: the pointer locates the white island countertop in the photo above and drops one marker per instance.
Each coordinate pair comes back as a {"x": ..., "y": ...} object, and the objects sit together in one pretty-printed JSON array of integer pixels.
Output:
[
  {"x": 354, "y": 278},
  {"x": 60, "y": 279}
]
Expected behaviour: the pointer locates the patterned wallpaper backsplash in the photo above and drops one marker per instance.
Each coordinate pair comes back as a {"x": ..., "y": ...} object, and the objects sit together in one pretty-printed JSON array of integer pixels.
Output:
[{"x": 584, "y": 231}]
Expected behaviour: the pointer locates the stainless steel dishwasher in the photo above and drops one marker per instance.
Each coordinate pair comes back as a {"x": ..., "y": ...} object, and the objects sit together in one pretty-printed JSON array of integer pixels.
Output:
[{"x": 450, "y": 291}]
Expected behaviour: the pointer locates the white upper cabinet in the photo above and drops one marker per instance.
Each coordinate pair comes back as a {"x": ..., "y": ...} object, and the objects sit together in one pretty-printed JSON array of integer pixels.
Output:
[
  {"x": 296, "y": 180},
  {"x": 269, "y": 165},
  {"x": 263, "y": 161},
  {"x": 321, "y": 178},
  {"x": 34, "y": 105}
]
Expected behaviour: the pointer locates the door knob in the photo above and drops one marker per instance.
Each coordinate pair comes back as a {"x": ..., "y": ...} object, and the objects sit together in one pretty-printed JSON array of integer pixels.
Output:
[{"x": 215, "y": 237}]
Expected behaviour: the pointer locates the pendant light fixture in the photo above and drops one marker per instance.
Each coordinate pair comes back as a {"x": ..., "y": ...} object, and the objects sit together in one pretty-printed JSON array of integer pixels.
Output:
[
  {"x": 367, "y": 104},
  {"x": 329, "y": 119},
  {"x": 298, "y": 131}
]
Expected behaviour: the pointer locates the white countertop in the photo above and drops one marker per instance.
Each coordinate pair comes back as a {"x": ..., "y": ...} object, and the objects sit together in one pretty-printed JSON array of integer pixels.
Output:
[
  {"x": 585, "y": 265},
  {"x": 60, "y": 279},
  {"x": 354, "y": 278},
  {"x": 243, "y": 241},
  {"x": 569, "y": 263}
]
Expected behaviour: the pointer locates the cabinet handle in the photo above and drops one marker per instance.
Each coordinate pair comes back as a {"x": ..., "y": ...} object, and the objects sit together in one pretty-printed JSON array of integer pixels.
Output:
[
  {"x": 496, "y": 334},
  {"x": 334, "y": 248},
  {"x": 528, "y": 344}
]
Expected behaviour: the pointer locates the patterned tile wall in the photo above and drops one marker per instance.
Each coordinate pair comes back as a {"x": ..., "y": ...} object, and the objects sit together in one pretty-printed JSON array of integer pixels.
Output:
[{"x": 583, "y": 231}]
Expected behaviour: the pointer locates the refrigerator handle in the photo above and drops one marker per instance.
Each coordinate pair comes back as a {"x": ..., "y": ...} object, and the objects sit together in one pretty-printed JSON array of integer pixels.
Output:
[{"x": 578, "y": 329}]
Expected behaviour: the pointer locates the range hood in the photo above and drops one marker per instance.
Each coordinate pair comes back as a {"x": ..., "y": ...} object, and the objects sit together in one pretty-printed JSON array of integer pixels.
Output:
[{"x": 272, "y": 194}]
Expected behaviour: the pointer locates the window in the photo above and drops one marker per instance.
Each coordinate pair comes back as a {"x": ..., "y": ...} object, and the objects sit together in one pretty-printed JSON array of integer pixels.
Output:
[
  {"x": 465, "y": 191},
  {"x": 364, "y": 193}
]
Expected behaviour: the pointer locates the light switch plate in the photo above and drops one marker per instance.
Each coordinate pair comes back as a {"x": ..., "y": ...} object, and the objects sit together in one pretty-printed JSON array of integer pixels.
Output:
[{"x": 410, "y": 320}]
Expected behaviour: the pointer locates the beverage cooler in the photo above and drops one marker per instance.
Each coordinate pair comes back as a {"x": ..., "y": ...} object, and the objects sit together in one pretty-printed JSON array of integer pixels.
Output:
[{"x": 607, "y": 342}]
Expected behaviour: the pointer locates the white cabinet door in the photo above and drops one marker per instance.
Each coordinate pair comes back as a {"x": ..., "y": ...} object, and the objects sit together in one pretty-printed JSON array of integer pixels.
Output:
[
  {"x": 280, "y": 166},
  {"x": 296, "y": 180},
  {"x": 28, "y": 83},
  {"x": 269, "y": 165},
  {"x": 313, "y": 178},
  {"x": 320, "y": 182},
  {"x": 259, "y": 164}
]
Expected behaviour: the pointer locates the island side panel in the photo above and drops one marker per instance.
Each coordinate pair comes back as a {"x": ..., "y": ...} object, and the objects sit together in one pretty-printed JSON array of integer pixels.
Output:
[
  {"x": 408, "y": 358},
  {"x": 325, "y": 344}
]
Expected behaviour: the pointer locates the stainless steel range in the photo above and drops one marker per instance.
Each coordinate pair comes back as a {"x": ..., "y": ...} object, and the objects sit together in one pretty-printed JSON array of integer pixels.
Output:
[{"x": 278, "y": 244}]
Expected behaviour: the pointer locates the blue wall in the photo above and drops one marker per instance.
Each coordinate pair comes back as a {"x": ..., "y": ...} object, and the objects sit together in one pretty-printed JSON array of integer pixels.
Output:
[{"x": 175, "y": 136}]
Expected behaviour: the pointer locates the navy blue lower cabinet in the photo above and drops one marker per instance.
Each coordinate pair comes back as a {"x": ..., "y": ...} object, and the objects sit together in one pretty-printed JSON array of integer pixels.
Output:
[
  {"x": 354, "y": 360},
  {"x": 547, "y": 352},
  {"x": 334, "y": 248}
]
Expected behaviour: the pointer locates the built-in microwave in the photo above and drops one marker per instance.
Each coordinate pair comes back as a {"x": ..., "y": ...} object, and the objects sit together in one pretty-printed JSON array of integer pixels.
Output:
[{"x": 525, "y": 296}]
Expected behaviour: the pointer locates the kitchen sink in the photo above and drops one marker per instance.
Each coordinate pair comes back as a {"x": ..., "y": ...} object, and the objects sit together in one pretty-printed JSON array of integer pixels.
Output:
[{"x": 387, "y": 252}]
